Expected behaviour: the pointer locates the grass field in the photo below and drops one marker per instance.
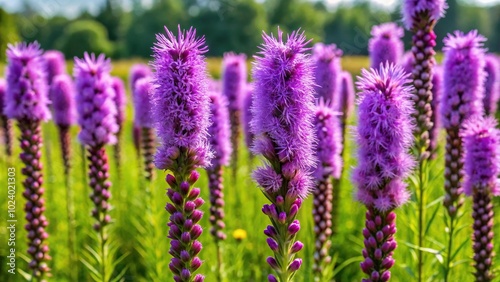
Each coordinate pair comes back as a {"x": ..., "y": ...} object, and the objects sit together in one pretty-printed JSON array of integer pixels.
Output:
[{"x": 139, "y": 227}]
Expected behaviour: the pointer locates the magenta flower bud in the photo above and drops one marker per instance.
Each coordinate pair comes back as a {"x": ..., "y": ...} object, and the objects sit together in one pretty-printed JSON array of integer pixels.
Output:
[
  {"x": 272, "y": 244},
  {"x": 293, "y": 228},
  {"x": 94, "y": 99},
  {"x": 386, "y": 45},
  {"x": 272, "y": 262},
  {"x": 55, "y": 65},
  {"x": 492, "y": 84},
  {"x": 296, "y": 247},
  {"x": 295, "y": 265},
  {"x": 327, "y": 71},
  {"x": 199, "y": 278},
  {"x": 271, "y": 278},
  {"x": 193, "y": 177}
]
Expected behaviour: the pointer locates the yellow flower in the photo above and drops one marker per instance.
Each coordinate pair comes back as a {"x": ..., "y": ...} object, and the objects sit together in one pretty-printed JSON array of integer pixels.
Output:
[{"x": 239, "y": 234}]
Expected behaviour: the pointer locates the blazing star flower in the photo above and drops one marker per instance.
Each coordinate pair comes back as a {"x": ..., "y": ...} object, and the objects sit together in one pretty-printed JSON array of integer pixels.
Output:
[
  {"x": 220, "y": 135},
  {"x": 492, "y": 85},
  {"x": 6, "y": 123},
  {"x": 386, "y": 44},
  {"x": 481, "y": 141},
  {"x": 63, "y": 92},
  {"x": 138, "y": 71},
  {"x": 181, "y": 114},
  {"x": 26, "y": 101},
  {"x": 97, "y": 119},
  {"x": 283, "y": 112},
  {"x": 234, "y": 77},
  {"x": 247, "y": 116},
  {"x": 327, "y": 71},
  {"x": 463, "y": 86},
  {"x": 384, "y": 137},
  {"x": 55, "y": 64},
  {"x": 420, "y": 17},
  {"x": 328, "y": 152},
  {"x": 143, "y": 119}
]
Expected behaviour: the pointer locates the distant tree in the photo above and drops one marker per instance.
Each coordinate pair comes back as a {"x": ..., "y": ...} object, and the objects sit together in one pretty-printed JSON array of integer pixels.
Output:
[
  {"x": 235, "y": 26},
  {"x": 84, "y": 35},
  {"x": 140, "y": 36},
  {"x": 8, "y": 33},
  {"x": 111, "y": 16},
  {"x": 495, "y": 25},
  {"x": 51, "y": 32}
]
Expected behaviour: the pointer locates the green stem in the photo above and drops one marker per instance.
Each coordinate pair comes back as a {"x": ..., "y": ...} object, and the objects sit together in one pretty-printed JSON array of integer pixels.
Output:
[
  {"x": 219, "y": 260},
  {"x": 421, "y": 210},
  {"x": 70, "y": 209},
  {"x": 450, "y": 246},
  {"x": 103, "y": 253}
]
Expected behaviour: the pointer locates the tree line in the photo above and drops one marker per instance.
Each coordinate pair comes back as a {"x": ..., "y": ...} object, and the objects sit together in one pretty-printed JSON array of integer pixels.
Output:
[{"x": 228, "y": 25}]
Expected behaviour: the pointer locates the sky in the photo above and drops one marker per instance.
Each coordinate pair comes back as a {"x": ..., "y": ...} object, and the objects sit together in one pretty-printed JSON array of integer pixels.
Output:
[{"x": 72, "y": 8}]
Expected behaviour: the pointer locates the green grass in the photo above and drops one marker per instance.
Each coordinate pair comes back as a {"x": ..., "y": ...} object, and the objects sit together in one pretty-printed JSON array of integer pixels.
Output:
[{"x": 139, "y": 227}]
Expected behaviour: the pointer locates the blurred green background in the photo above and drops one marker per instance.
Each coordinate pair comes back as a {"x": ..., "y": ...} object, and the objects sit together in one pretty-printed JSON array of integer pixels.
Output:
[{"x": 127, "y": 28}]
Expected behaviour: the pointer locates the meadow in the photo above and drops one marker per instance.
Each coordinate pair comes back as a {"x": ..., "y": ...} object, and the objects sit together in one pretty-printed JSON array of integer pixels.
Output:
[{"x": 138, "y": 232}]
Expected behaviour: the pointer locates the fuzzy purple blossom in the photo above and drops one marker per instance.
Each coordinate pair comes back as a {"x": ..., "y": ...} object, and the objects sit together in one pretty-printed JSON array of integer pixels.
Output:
[
  {"x": 26, "y": 96},
  {"x": 143, "y": 119},
  {"x": 492, "y": 84},
  {"x": 327, "y": 70},
  {"x": 384, "y": 137},
  {"x": 329, "y": 148},
  {"x": 5, "y": 122},
  {"x": 181, "y": 115},
  {"x": 247, "y": 116},
  {"x": 26, "y": 101},
  {"x": 463, "y": 86},
  {"x": 120, "y": 99},
  {"x": 481, "y": 141},
  {"x": 234, "y": 78},
  {"x": 386, "y": 44},
  {"x": 346, "y": 97},
  {"x": 137, "y": 72},
  {"x": 62, "y": 92},
  {"x": 220, "y": 143},
  {"x": 55, "y": 64},
  {"x": 283, "y": 113},
  {"x": 414, "y": 11}
]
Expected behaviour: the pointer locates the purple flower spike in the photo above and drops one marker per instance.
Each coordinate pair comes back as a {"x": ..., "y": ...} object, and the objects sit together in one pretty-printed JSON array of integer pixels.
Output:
[
  {"x": 94, "y": 98},
  {"x": 386, "y": 44},
  {"x": 55, "y": 64},
  {"x": 384, "y": 137},
  {"x": 181, "y": 115},
  {"x": 247, "y": 116},
  {"x": 26, "y": 101},
  {"x": 5, "y": 122},
  {"x": 137, "y": 72},
  {"x": 283, "y": 114},
  {"x": 482, "y": 166},
  {"x": 492, "y": 85},
  {"x": 26, "y": 96},
  {"x": 220, "y": 142},
  {"x": 420, "y": 17},
  {"x": 328, "y": 152},
  {"x": 62, "y": 92},
  {"x": 143, "y": 120},
  {"x": 97, "y": 119},
  {"x": 463, "y": 86},
  {"x": 346, "y": 101},
  {"x": 120, "y": 100},
  {"x": 415, "y": 11},
  {"x": 234, "y": 78},
  {"x": 327, "y": 70}
]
